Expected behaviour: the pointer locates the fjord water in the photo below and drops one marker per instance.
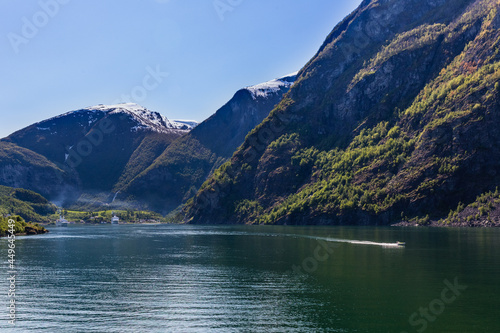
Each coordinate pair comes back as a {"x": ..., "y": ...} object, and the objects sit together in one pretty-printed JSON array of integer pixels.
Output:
[{"x": 177, "y": 278}]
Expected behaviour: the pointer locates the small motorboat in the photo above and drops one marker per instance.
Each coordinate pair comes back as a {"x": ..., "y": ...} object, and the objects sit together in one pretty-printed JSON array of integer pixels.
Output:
[{"x": 401, "y": 243}]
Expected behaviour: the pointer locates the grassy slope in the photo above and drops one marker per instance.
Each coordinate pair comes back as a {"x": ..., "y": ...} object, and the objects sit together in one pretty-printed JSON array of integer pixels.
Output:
[
  {"x": 27, "y": 204},
  {"x": 126, "y": 216},
  {"x": 20, "y": 227}
]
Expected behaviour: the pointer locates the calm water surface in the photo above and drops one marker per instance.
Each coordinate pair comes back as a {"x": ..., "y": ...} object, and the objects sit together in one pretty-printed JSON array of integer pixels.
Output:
[{"x": 170, "y": 278}]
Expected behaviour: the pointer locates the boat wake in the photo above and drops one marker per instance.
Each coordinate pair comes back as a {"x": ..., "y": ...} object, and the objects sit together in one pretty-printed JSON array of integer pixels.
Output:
[
  {"x": 360, "y": 242},
  {"x": 243, "y": 233},
  {"x": 349, "y": 241}
]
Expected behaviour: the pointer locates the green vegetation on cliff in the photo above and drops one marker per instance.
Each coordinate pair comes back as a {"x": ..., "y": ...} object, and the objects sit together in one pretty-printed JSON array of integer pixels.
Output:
[
  {"x": 104, "y": 216},
  {"x": 20, "y": 226},
  {"x": 28, "y": 205},
  {"x": 405, "y": 126}
]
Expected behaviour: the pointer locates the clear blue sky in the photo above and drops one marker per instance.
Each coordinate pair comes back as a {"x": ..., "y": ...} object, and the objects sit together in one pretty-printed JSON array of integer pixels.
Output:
[{"x": 78, "y": 53}]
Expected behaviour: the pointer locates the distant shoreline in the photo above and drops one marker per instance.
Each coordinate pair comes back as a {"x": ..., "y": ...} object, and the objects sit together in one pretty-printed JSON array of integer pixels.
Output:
[
  {"x": 438, "y": 224},
  {"x": 27, "y": 234}
]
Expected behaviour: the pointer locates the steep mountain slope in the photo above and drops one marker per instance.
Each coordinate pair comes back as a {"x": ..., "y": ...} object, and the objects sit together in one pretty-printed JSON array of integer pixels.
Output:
[
  {"x": 29, "y": 205},
  {"x": 395, "y": 116},
  {"x": 181, "y": 169},
  {"x": 100, "y": 144},
  {"x": 23, "y": 168}
]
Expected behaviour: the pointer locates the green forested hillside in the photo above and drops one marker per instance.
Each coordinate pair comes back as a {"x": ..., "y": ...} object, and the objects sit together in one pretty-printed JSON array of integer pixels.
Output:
[
  {"x": 394, "y": 118},
  {"x": 29, "y": 205},
  {"x": 19, "y": 226}
]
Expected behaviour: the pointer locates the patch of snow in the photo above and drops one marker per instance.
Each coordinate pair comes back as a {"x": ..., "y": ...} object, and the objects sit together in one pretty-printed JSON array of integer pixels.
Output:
[
  {"x": 92, "y": 120},
  {"x": 43, "y": 128},
  {"x": 265, "y": 89},
  {"x": 145, "y": 119},
  {"x": 138, "y": 128},
  {"x": 184, "y": 124},
  {"x": 130, "y": 107},
  {"x": 66, "y": 157}
]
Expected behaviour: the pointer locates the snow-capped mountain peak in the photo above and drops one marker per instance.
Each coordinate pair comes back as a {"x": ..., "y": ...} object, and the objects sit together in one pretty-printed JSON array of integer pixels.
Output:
[
  {"x": 146, "y": 119},
  {"x": 122, "y": 107},
  {"x": 272, "y": 87}
]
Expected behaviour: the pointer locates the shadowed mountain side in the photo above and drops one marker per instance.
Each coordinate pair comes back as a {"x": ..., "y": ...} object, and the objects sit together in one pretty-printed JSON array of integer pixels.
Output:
[
  {"x": 178, "y": 173},
  {"x": 23, "y": 168},
  {"x": 97, "y": 147}
]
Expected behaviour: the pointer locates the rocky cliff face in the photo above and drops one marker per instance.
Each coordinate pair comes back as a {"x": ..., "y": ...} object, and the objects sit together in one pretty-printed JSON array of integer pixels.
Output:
[
  {"x": 393, "y": 117},
  {"x": 178, "y": 173}
]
